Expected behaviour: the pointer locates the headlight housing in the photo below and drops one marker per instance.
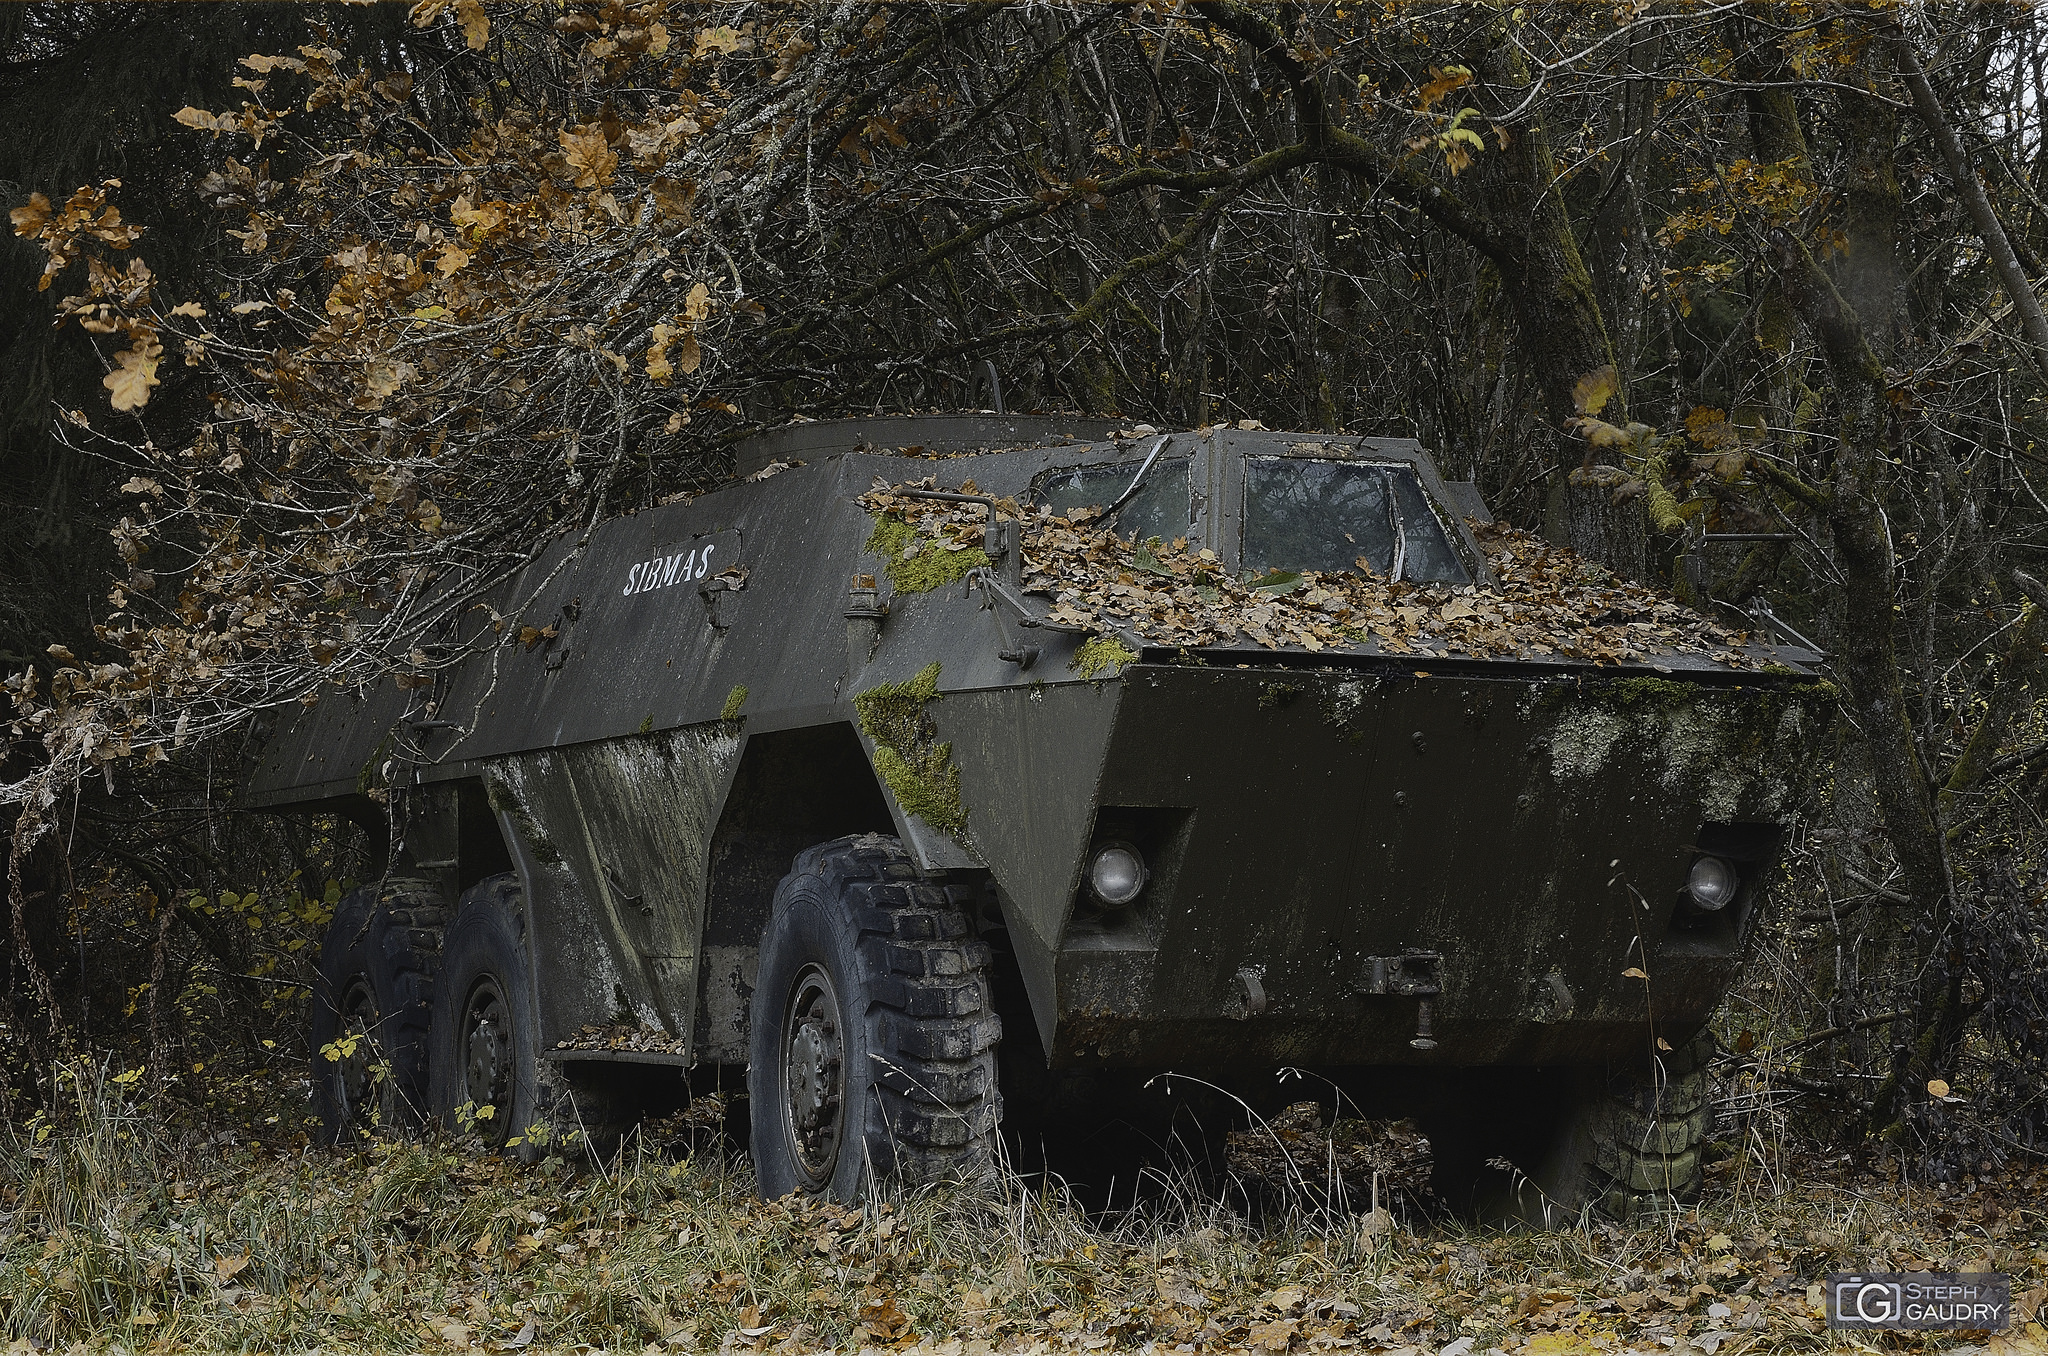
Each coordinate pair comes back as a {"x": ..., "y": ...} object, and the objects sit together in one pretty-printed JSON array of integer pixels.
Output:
[
  {"x": 1116, "y": 874},
  {"x": 1712, "y": 883}
]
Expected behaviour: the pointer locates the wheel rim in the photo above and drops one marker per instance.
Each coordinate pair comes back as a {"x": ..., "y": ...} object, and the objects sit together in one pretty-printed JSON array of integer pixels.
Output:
[
  {"x": 352, "y": 1072},
  {"x": 813, "y": 1076},
  {"x": 489, "y": 1059}
]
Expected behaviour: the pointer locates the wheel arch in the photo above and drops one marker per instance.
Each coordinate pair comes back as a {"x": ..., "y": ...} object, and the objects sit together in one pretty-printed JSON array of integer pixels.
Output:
[{"x": 791, "y": 790}]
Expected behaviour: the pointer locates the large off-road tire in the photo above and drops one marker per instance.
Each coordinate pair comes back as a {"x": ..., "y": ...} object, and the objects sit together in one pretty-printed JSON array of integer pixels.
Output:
[
  {"x": 1633, "y": 1143},
  {"x": 371, "y": 1009},
  {"x": 485, "y": 1073},
  {"x": 873, "y": 1034},
  {"x": 487, "y": 1081}
]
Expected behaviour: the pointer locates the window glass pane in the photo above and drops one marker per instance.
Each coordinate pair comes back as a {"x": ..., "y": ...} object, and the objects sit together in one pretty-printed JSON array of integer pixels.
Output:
[
  {"x": 1429, "y": 554},
  {"x": 1323, "y": 515},
  {"x": 1160, "y": 508}
]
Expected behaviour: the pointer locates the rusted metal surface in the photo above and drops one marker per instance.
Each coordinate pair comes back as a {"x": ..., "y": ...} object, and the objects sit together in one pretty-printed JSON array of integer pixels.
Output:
[{"x": 1314, "y": 824}]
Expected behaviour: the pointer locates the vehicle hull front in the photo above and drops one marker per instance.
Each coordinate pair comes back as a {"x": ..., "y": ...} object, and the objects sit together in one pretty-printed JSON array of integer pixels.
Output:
[{"x": 1302, "y": 825}]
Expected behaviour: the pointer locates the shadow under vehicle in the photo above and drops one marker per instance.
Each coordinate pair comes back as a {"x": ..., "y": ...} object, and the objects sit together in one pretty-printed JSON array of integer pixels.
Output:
[{"x": 747, "y": 782}]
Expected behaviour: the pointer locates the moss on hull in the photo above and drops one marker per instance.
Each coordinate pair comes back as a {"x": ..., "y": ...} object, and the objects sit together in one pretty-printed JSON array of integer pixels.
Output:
[
  {"x": 928, "y": 565},
  {"x": 734, "y": 700},
  {"x": 1101, "y": 657},
  {"x": 915, "y": 764}
]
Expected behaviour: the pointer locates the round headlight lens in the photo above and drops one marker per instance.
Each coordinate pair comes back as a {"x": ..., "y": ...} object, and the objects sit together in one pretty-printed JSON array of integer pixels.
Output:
[
  {"x": 1713, "y": 882},
  {"x": 1116, "y": 874}
]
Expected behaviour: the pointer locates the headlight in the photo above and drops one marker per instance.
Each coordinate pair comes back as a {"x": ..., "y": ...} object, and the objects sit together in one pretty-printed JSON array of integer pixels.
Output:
[
  {"x": 1713, "y": 882},
  {"x": 1116, "y": 874}
]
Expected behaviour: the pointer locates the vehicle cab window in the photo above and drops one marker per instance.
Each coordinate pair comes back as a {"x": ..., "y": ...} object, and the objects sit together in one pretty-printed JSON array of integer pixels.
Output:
[
  {"x": 1161, "y": 508},
  {"x": 1306, "y": 514}
]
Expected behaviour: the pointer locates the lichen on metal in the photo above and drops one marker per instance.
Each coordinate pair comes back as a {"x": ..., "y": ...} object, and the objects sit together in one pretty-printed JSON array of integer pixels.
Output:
[
  {"x": 917, "y": 563},
  {"x": 1722, "y": 744},
  {"x": 913, "y": 762},
  {"x": 1102, "y": 657}
]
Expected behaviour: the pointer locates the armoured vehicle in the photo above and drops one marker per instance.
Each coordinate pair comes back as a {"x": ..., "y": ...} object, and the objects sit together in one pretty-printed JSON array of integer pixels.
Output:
[{"x": 748, "y": 781}]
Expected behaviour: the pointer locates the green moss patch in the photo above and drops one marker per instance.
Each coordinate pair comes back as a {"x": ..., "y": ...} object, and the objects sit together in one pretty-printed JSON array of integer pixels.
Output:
[
  {"x": 917, "y": 563},
  {"x": 734, "y": 700},
  {"x": 1102, "y": 657},
  {"x": 915, "y": 764}
]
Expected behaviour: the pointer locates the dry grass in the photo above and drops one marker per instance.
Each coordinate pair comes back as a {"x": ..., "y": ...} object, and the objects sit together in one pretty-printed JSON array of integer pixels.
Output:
[{"x": 116, "y": 1234}]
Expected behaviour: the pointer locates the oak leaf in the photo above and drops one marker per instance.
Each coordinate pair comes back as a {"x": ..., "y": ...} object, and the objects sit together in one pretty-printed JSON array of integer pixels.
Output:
[
  {"x": 481, "y": 220},
  {"x": 452, "y": 258},
  {"x": 134, "y": 374},
  {"x": 476, "y": 25},
  {"x": 593, "y": 161},
  {"x": 31, "y": 217},
  {"x": 723, "y": 39},
  {"x": 658, "y": 366}
]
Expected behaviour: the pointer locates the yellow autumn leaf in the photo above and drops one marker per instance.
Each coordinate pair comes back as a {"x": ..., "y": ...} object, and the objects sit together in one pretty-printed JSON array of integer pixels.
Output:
[
  {"x": 698, "y": 304},
  {"x": 426, "y": 11},
  {"x": 452, "y": 258},
  {"x": 133, "y": 375},
  {"x": 1600, "y": 433},
  {"x": 692, "y": 357},
  {"x": 198, "y": 119},
  {"x": 29, "y": 218},
  {"x": 658, "y": 365},
  {"x": 1937, "y": 1087},
  {"x": 481, "y": 220},
  {"x": 1595, "y": 389},
  {"x": 1634, "y": 972},
  {"x": 384, "y": 377},
  {"x": 722, "y": 39},
  {"x": 190, "y": 308},
  {"x": 476, "y": 25},
  {"x": 593, "y": 161}
]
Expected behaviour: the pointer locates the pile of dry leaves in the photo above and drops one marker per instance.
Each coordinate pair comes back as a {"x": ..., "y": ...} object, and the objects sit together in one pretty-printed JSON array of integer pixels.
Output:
[
  {"x": 1546, "y": 603},
  {"x": 625, "y": 1037},
  {"x": 1353, "y": 1165}
]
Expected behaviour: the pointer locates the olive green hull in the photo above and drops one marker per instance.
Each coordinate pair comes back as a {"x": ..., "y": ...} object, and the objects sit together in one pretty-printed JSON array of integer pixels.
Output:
[{"x": 1299, "y": 823}]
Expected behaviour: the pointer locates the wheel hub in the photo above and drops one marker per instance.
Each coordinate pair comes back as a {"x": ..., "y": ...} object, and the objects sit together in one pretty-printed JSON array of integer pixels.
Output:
[
  {"x": 353, "y": 1072},
  {"x": 813, "y": 1076},
  {"x": 488, "y": 1059}
]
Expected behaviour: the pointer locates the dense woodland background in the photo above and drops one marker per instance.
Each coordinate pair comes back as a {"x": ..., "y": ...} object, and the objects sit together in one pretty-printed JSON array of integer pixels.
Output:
[{"x": 385, "y": 300}]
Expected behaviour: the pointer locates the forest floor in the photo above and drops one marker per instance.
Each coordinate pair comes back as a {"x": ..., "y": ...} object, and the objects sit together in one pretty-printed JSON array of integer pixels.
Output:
[{"x": 119, "y": 1233}]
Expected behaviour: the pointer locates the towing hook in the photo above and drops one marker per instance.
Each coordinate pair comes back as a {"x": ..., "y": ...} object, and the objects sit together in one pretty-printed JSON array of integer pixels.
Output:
[
  {"x": 1412, "y": 974},
  {"x": 1424, "y": 1013}
]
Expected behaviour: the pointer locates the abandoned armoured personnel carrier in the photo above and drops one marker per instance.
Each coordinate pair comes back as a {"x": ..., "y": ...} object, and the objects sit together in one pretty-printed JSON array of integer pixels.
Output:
[{"x": 794, "y": 775}]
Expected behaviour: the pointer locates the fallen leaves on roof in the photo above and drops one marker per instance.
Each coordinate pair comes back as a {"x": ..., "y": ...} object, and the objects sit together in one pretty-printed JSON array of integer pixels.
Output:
[{"x": 1546, "y": 603}]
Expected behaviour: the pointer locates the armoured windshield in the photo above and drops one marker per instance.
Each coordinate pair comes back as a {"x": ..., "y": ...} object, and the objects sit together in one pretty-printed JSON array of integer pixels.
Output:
[
  {"x": 1301, "y": 514},
  {"x": 1160, "y": 508}
]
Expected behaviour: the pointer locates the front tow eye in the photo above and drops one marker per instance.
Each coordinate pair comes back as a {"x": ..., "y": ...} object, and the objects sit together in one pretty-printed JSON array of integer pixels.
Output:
[
  {"x": 1423, "y": 1040},
  {"x": 1413, "y": 974}
]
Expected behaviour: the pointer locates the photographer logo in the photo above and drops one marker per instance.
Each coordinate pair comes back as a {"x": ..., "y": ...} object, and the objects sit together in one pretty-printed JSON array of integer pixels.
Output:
[{"x": 1920, "y": 1299}]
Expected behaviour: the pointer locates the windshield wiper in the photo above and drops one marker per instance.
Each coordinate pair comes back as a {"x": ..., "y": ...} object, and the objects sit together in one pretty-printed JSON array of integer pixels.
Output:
[
  {"x": 1394, "y": 521},
  {"x": 1137, "y": 479}
]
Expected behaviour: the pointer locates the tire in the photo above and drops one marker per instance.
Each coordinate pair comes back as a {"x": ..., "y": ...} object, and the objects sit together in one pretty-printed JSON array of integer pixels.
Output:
[
  {"x": 375, "y": 983},
  {"x": 873, "y": 1034},
  {"x": 484, "y": 1075},
  {"x": 1634, "y": 1144}
]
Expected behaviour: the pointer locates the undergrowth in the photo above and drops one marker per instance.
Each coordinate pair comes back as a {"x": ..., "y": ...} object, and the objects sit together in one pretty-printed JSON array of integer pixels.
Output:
[{"x": 118, "y": 1233}]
